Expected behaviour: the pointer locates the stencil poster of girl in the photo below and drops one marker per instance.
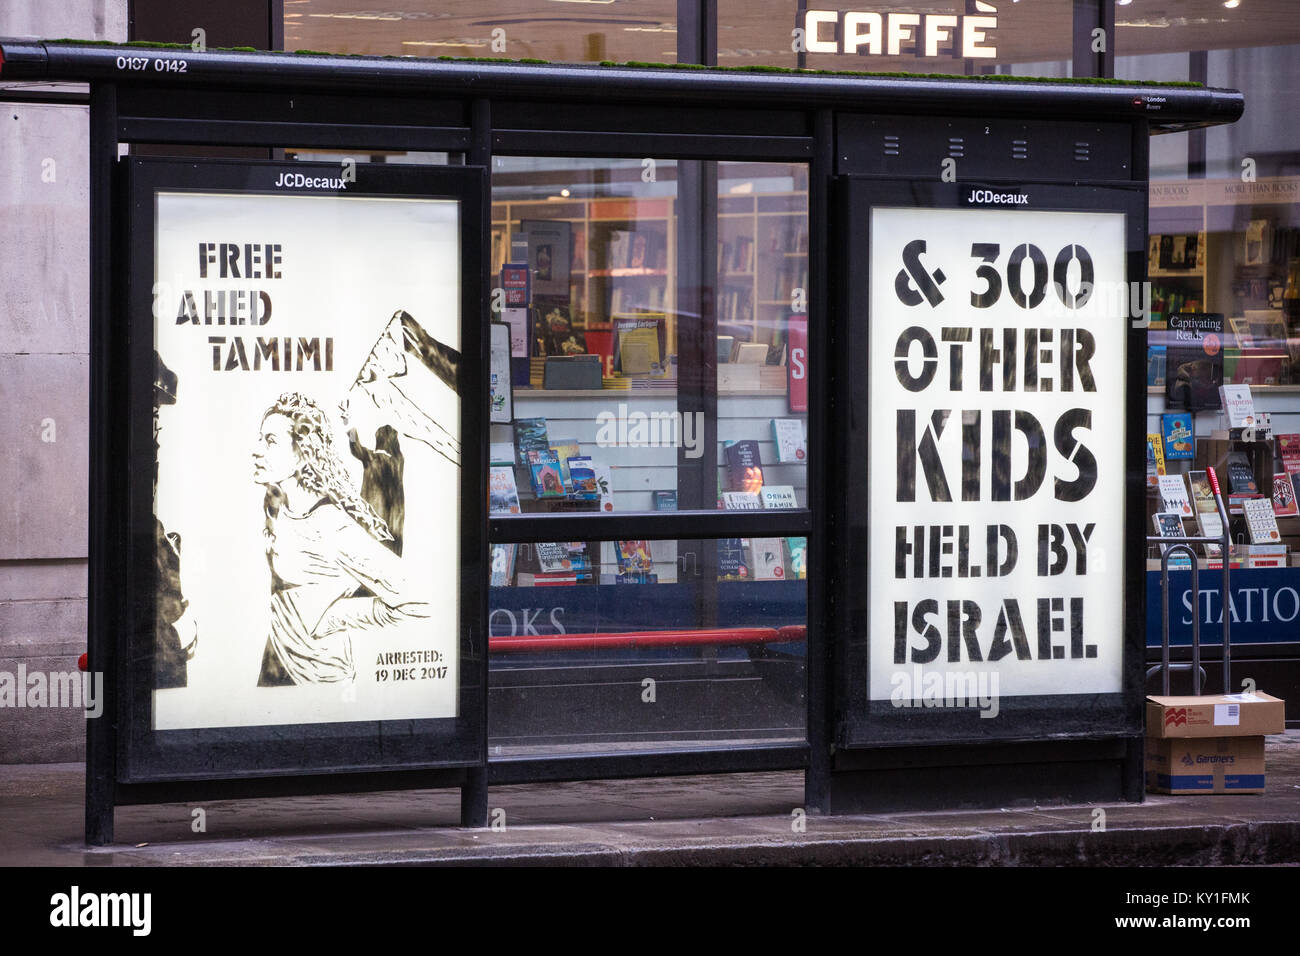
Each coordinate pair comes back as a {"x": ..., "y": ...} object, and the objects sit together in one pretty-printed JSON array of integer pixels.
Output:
[{"x": 333, "y": 576}]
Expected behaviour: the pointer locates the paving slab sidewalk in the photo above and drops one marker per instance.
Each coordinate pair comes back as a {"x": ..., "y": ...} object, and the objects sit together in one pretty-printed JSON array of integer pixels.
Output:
[{"x": 731, "y": 819}]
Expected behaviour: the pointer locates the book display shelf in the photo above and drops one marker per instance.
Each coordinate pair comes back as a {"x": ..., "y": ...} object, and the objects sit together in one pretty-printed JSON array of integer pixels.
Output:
[
  {"x": 598, "y": 421},
  {"x": 1224, "y": 271},
  {"x": 1231, "y": 248},
  {"x": 1258, "y": 468}
]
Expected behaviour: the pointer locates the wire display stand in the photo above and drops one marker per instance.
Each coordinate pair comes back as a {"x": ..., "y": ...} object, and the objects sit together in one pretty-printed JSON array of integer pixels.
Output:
[{"x": 1184, "y": 545}]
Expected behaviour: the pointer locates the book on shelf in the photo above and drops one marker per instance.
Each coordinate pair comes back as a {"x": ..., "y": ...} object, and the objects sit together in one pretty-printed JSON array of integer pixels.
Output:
[
  {"x": 741, "y": 501},
  {"x": 530, "y": 435},
  {"x": 500, "y": 382},
  {"x": 554, "y": 328},
  {"x": 787, "y": 434},
  {"x": 1259, "y": 367},
  {"x": 1238, "y": 406},
  {"x": 664, "y": 555},
  {"x": 1157, "y": 362},
  {"x": 1155, "y": 459},
  {"x": 1178, "y": 258},
  {"x": 515, "y": 285},
  {"x": 752, "y": 353},
  {"x": 726, "y": 346},
  {"x": 1235, "y": 501},
  {"x": 768, "y": 559},
  {"x": 544, "y": 471},
  {"x": 742, "y": 255},
  {"x": 1261, "y": 522},
  {"x": 1202, "y": 492},
  {"x": 1266, "y": 555},
  {"x": 797, "y": 550},
  {"x": 797, "y": 362},
  {"x": 578, "y": 371},
  {"x": 664, "y": 500},
  {"x": 1173, "y": 495},
  {"x": 617, "y": 248},
  {"x": 1209, "y": 525},
  {"x": 527, "y": 579},
  {"x": 1288, "y": 449},
  {"x": 732, "y": 564},
  {"x": 582, "y": 479},
  {"x": 778, "y": 497},
  {"x": 744, "y": 466},
  {"x": 562, "y": 556},
  {"x": 503, "y": 495},
  {"x": 640, "y": 345},
  {"x": 1241, "y": 477},
  {"x": 1176, "y": 431},
  {"x": 1241, "y": 332},
  {"x": 604, "y": 485},
  {"x": 550, "y": 247},
  {"x": 1284, "y": 502},
  {"x": 636, "y": 253},
  {"x": 501, "y": 453},
  {"x": 564, "y": 449},
  {"x": 635, "y": 565},
  {"x": 1170, "y": 525},
  {"x": 1194, "y": 356},
  {"x": 1268, "y": 328},
  {"x": 1256, "y": 247},
  {"x": 503, "y": 565}
]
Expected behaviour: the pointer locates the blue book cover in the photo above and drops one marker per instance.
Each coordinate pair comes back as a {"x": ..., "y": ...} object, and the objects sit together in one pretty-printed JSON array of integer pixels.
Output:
[
  {"x": 582, "y": 479},
  {"x": 732, "y": 565},
  {"x": 1176, "y": 428}
]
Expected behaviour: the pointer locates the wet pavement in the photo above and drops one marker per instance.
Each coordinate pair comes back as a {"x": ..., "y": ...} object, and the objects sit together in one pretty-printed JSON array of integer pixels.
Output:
[{"x": 725, "y": 819}]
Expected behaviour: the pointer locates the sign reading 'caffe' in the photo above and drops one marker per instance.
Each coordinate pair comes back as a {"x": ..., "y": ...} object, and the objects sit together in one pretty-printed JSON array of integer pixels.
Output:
[{"x": 903, "y": 34}]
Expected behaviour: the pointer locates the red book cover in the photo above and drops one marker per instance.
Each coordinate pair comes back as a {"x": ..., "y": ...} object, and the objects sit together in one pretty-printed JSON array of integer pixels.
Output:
[
  {"x": 514, "y": 280},
  {"x": 1284, "y": 495},
  {"x": 797, "y": 363},
  {"x": 1289, "y": 447}
]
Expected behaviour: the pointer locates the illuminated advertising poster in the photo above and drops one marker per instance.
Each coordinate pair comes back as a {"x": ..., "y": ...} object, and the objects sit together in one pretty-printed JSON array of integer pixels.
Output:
[
  {"x": 997, "y": 410},
  {"x": 307, "y": 424}
]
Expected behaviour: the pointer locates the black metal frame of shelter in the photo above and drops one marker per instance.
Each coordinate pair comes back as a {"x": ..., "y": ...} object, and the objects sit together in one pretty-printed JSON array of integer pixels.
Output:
[{"x": 833, "y": 123}]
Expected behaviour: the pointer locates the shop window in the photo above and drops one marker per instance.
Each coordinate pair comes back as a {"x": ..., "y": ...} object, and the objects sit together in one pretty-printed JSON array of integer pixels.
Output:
[
  {"x": 1224, "y": 269},
  {"x": 1029, "y": 39},
  {"x": 664, "y": 646},
  {"x": 651, "y": 357},
  {"x": 574, "y": 31}
]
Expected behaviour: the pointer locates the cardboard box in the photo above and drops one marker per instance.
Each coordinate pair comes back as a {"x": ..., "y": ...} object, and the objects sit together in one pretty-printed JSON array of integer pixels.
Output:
[
  {"x": 1196, "y": 765},
  {"x": 1215, "y": 715}
]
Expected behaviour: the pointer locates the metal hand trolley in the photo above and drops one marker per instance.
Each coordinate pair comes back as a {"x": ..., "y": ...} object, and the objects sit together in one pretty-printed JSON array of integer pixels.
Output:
[{"x": 1184, "y": 545}]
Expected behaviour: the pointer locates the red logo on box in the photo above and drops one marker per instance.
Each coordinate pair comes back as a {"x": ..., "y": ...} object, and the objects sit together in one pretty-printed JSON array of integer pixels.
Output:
[{"x": 1177, "y": 716}]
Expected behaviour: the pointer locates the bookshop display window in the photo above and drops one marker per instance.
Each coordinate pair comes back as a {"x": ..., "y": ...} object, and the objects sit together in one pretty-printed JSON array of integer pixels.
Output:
[
  {"x": 586, "y": 260},
  {"x": 606, "y": 398},
  {"x": 689, "y": 661},
  {"x": 1224, "y": 268}
]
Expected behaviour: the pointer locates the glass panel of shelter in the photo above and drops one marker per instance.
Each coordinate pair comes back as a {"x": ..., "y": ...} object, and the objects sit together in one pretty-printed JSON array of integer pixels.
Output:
[{"x": 605, "y": 418}]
